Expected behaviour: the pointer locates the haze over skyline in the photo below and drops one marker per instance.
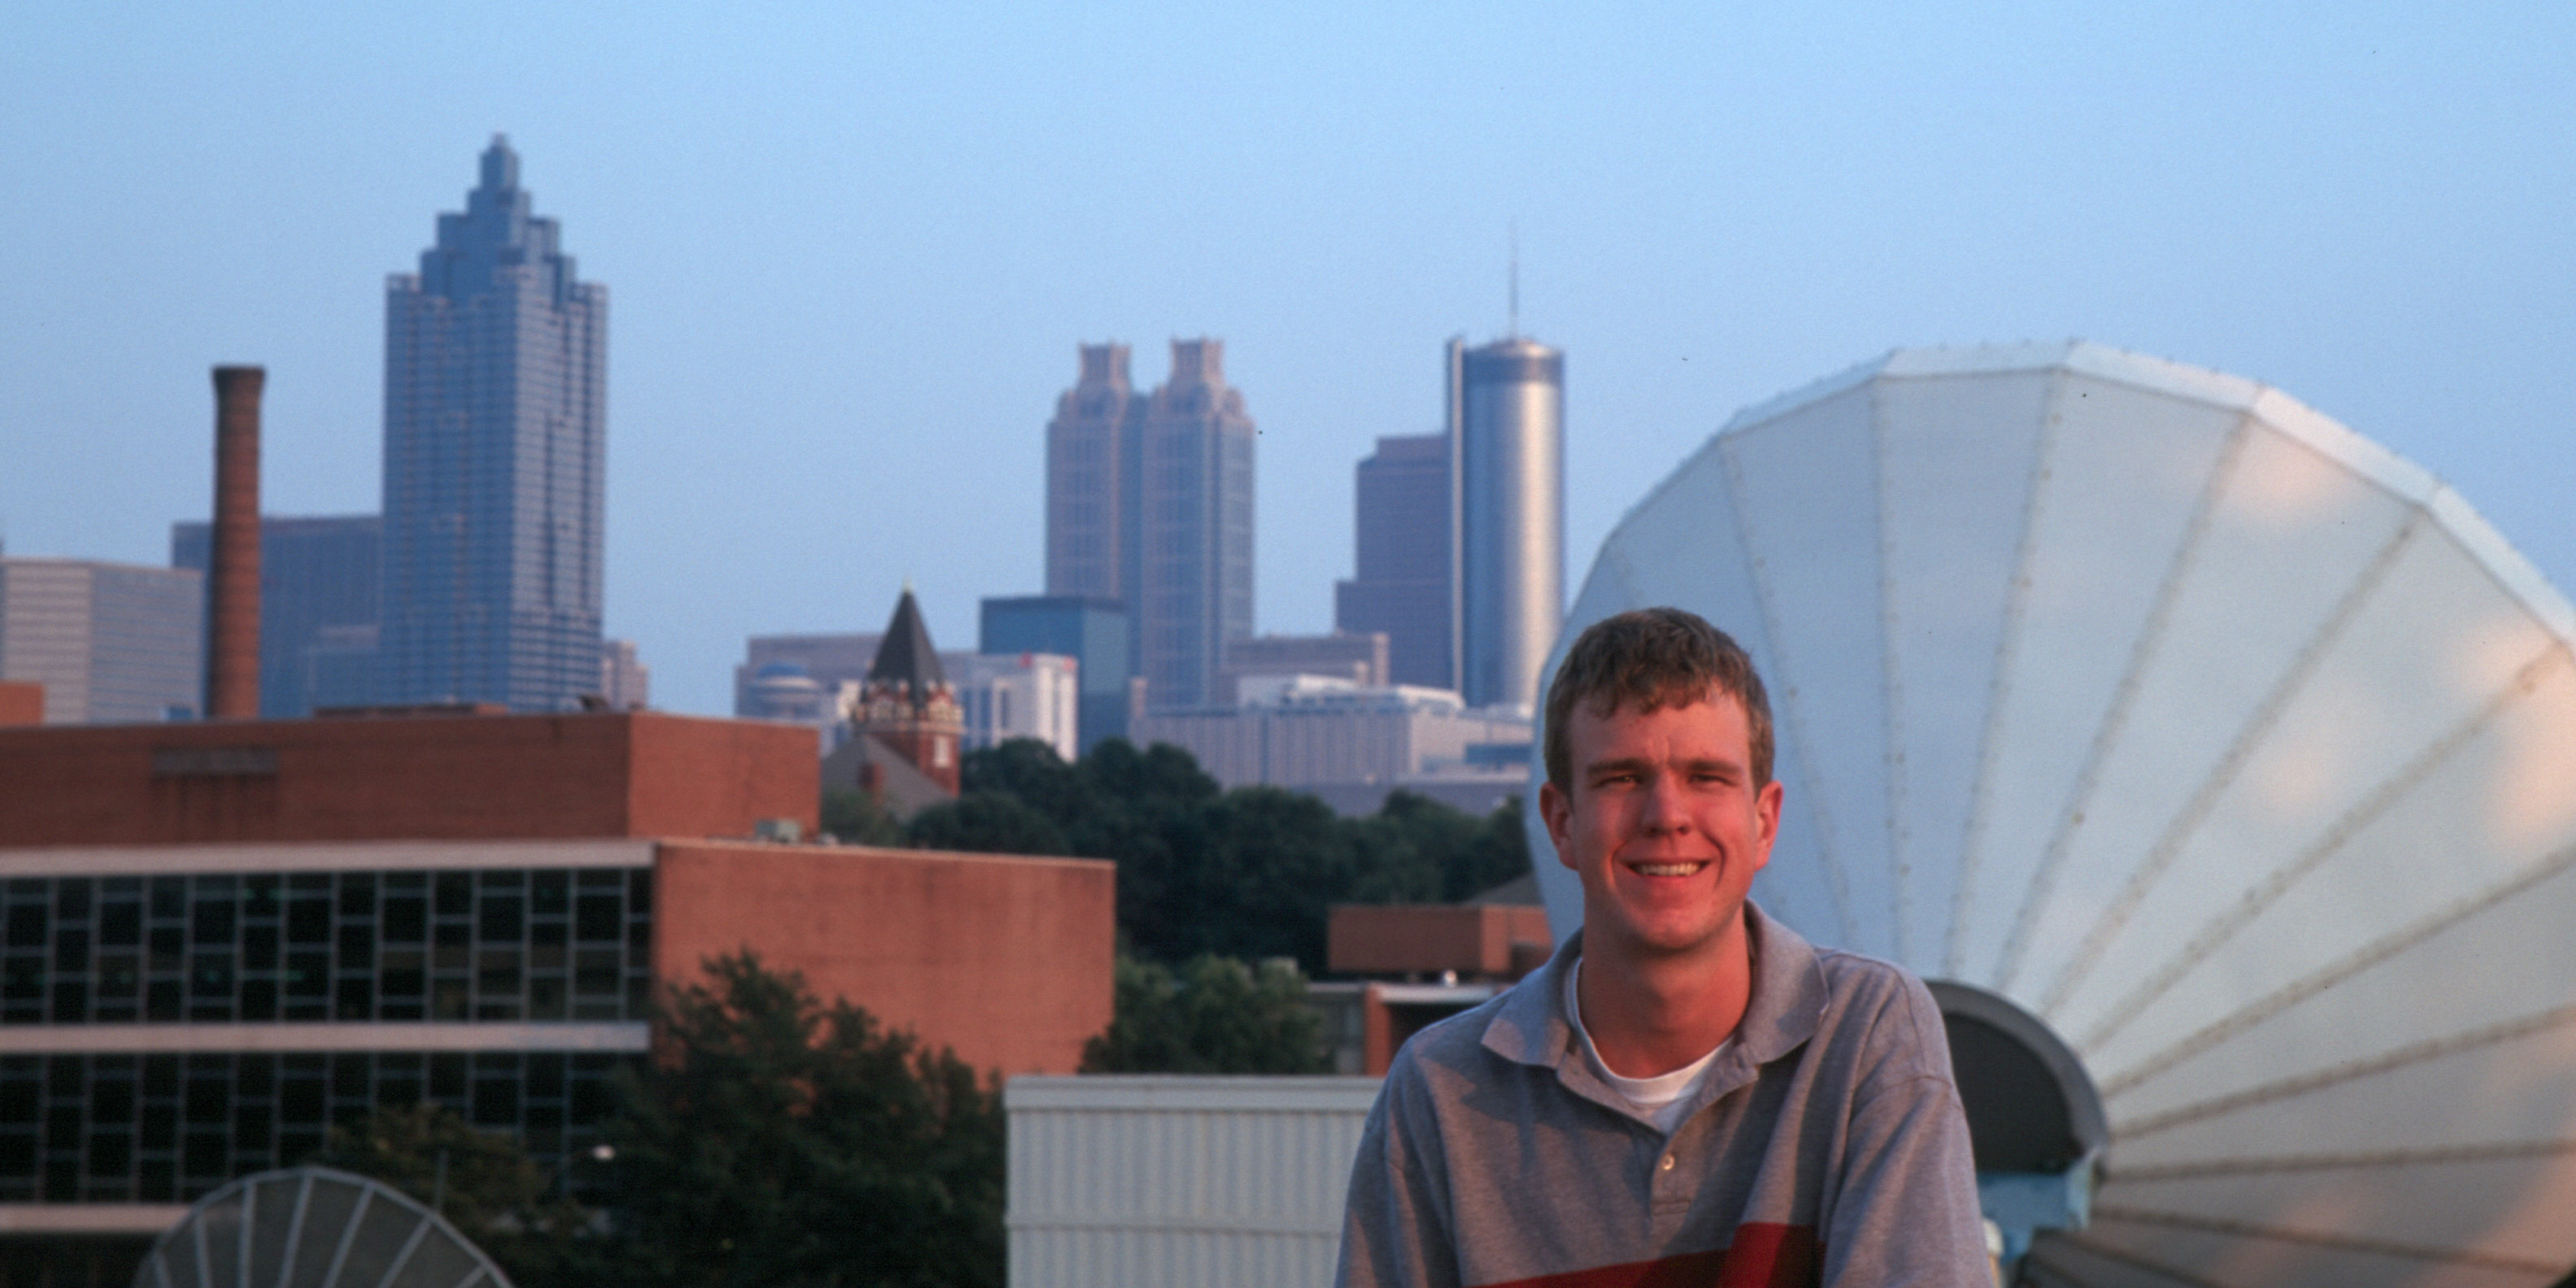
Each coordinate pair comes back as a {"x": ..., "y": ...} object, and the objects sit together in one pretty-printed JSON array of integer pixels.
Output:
[{"x": 850, "y": 255}]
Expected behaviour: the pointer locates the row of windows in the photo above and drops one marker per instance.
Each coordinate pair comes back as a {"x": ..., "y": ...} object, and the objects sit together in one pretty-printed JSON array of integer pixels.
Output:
[
  {"x": 170, "y": 1128},
  {"x": 543, "y": 944}
]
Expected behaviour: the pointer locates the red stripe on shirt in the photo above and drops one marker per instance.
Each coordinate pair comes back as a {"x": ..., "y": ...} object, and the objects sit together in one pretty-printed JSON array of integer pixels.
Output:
[{"x": 1765, "y": 1255}]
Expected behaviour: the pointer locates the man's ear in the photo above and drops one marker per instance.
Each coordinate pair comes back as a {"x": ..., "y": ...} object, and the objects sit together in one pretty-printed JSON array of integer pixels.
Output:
[
  {"x": 1557, "y": 811},
  {"x": 1766, "y": 820}
]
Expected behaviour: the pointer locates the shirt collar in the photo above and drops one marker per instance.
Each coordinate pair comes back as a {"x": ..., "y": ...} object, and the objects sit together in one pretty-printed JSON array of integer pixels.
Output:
[{"x": 1787, "y": 1006}]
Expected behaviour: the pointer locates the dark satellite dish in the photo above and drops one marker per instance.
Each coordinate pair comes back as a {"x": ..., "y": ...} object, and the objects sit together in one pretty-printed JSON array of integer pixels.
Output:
[{"x": 310, "y": 1227}]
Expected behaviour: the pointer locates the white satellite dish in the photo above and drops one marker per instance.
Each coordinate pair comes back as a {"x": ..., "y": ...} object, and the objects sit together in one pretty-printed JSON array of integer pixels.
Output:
[
  {"x": 310, "y": 1227},
  {"x": 2239, "y": 751}
]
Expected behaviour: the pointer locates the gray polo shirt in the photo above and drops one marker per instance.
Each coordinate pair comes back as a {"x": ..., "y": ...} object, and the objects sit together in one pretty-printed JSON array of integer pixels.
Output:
[{"x": 1826, "y": 1146}]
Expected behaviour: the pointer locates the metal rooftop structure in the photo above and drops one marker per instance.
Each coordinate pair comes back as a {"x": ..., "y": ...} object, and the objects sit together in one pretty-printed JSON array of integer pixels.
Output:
[{"x": 2234, "y": 749}]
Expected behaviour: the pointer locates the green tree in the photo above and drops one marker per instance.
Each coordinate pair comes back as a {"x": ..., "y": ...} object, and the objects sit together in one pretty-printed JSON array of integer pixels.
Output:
[
  {"x": 1215, "y": 1015},
  {"x": 1496, "y": 851},
  {"x": 986, "y": 822},
  {"x": 1030, "y": 770},
  {"x": 1249, "y": 872},
  {"x": 483, "y": 1182},
  {"x": 778, "y": 1141},
  {"x": 854, "y": 817},
  {"x": 1271, "y": 864}
]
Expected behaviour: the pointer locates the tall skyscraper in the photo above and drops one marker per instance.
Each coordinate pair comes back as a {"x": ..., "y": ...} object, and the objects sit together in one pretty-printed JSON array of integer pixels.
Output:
[
  {"x": 1510, "y": 423},
  {"x": 1461, "y": 534},
  {"x": 318, "y": 600},
  {"x": 1405, "y": 586},
  {"x": 1149, "y": 502},
  {"x": 1093, "y": 454},
  {"x": 495, "y": 432}
]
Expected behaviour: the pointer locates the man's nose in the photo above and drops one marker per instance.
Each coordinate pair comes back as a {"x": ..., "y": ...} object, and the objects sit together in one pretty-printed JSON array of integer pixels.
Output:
[{"x": 1662, "y": 811}]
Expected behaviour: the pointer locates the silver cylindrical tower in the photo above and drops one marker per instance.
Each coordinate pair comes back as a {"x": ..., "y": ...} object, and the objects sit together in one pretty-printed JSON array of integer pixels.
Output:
[{"x": 1511, "y": 547}]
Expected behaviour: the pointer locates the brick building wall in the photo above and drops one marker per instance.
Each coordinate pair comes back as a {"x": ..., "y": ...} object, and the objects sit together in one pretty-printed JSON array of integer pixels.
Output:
[
  {"x": 426, "y": 778},
  {"x": 1005, "y": 959},
  {"x": 22, "y": 702}
]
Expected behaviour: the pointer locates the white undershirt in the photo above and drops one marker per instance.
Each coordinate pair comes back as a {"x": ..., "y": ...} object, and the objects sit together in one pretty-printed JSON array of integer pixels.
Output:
[{"x": 1664, "y": 1099}]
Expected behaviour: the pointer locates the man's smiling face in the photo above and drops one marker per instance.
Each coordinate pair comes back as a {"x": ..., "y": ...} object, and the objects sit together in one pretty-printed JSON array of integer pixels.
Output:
[{"x": 1663, "y": 822}]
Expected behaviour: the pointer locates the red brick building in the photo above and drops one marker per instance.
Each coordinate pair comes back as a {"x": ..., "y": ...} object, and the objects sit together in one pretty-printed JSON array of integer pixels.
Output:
[
  {"x": 22, "y": 702},
  {"x": 216, "y": 939}
]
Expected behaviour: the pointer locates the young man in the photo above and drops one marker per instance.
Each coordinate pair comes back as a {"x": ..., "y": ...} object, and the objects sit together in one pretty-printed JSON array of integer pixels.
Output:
[{"x": 1688, "y": 1093}]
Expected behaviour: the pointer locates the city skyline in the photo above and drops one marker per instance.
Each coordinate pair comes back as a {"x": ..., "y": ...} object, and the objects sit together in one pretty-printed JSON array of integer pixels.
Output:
[{"x": 847, "y": 249}]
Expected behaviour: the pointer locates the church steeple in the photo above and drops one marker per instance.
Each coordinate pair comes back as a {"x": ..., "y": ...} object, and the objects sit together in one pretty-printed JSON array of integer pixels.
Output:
[
  {"x": 905, "y": 657},
  {"x": 907, "y": 704}
]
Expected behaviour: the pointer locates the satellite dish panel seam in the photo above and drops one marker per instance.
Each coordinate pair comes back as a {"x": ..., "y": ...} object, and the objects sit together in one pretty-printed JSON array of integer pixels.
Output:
[
  {"x": 1891, "y": 681},
  {"x": 2360, "y": 959},
  {"x": 2380, "y": 799},
  {"x": 2258, "y": 727},
  {"x": 1998, "y": 689},
  {"x": 406, "y": 1245},
  {"x": 2399, "y": 1058},
  {"x": 2035, "y": 496},
  {"x": 1787, "y": 713},
  {"x": 2115, "y": 719}
]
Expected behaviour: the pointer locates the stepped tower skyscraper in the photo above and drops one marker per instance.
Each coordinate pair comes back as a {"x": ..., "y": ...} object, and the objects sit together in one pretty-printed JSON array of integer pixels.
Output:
[{"x": 495, "y": 435}]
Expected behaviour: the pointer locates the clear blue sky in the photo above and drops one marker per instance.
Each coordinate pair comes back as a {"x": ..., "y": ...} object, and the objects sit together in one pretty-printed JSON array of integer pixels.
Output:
[{"x": 850, "y": 248}]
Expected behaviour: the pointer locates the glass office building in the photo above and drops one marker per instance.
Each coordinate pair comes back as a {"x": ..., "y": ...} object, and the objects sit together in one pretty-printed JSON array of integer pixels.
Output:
[
  {"x": 318, "y": 600},
  {"x": 1093, "y": 632},
  {"x": 495, "y": 431},
  {"x": 199, "y": 1025}
]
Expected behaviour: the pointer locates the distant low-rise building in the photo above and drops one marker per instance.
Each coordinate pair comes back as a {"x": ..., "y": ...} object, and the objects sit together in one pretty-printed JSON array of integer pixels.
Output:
[
  {"x": 827, "y": 659},
  {"x": 1021, "y": 695},
  {"x": 1091, "y": 631},
  {"x": 1324, "y": 733},
  {"x": 1359, "y": 657},
  {"x": 112, "y": 643},
  {"x": 817, "y": 680}
]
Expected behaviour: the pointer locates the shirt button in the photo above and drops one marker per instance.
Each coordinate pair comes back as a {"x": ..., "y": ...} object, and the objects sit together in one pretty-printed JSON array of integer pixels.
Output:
[{"x": 1668, "y": 1162}]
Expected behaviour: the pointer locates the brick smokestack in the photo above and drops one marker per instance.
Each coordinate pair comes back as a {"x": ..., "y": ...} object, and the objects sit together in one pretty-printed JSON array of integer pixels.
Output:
[{"x": 232, "y": 575}]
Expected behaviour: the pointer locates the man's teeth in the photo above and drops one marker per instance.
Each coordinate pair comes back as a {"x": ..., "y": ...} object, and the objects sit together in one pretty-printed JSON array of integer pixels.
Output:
[{"x": 1668, "y": 869}]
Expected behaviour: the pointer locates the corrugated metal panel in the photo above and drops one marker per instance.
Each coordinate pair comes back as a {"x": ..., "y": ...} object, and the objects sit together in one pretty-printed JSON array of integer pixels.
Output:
[{"x": 1146, "y": 1181}]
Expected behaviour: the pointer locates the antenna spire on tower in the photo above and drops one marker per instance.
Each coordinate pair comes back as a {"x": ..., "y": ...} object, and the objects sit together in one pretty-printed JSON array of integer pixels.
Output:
[{"x": 1515, "y": 326}]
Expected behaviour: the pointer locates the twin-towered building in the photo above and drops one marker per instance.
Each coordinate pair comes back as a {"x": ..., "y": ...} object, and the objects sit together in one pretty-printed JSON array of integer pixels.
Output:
[{"x": 1149, "y": 503}]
